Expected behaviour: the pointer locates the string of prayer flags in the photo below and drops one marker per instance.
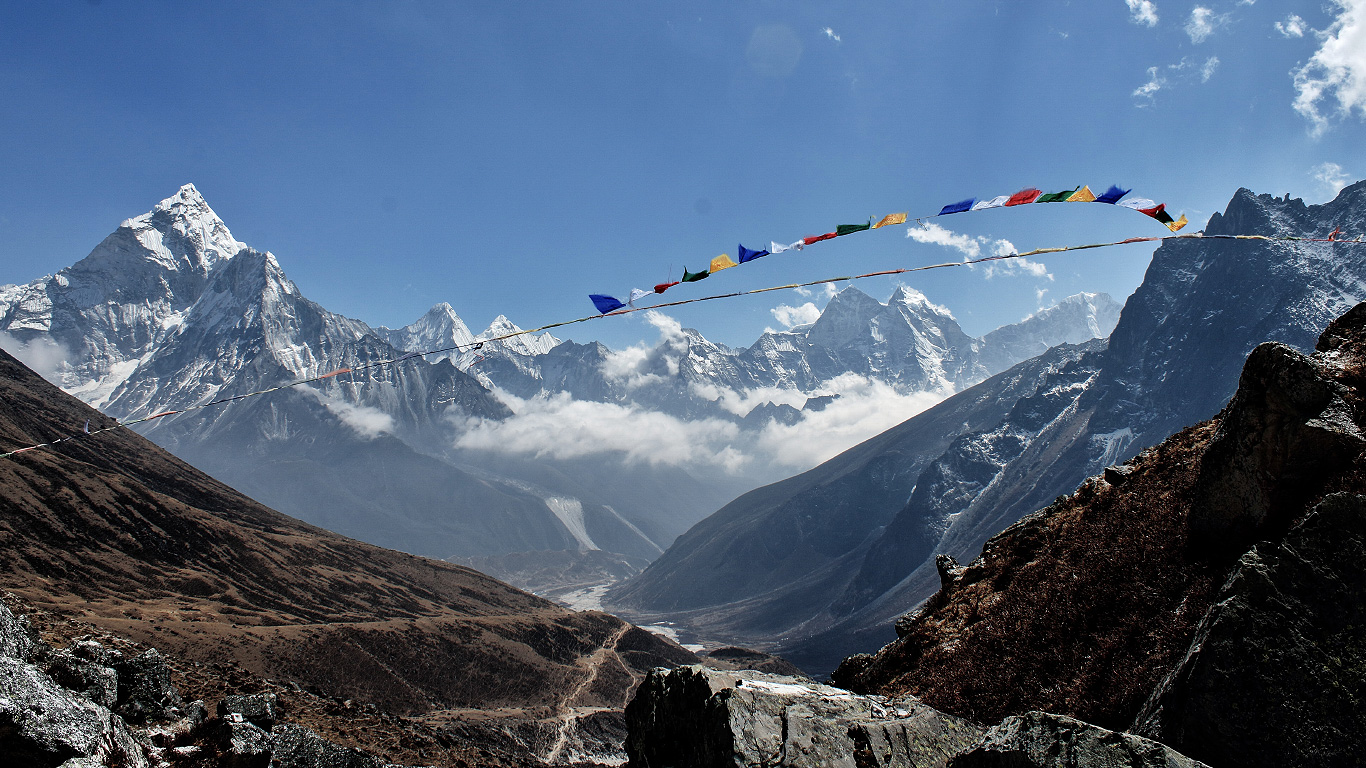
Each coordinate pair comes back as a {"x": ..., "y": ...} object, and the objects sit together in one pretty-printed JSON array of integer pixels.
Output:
[
  {"x": 1082, "y": 194},
  {"x": 605, "y": 304},
  {"x": 749, "y": 255}
]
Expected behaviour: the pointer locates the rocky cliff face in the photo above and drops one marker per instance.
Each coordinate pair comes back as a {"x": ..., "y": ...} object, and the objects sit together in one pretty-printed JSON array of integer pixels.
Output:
[{"x": 1203, "y": 595}]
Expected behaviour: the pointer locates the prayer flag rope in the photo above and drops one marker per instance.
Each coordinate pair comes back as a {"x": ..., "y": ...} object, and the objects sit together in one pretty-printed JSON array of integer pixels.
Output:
[
  {"x": 1082, "y": 194},
  {"x": 623, "y": 309}
]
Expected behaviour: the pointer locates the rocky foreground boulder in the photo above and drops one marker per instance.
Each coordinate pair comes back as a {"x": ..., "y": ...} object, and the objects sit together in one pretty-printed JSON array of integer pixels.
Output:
[{"x": 700, "y": 717}]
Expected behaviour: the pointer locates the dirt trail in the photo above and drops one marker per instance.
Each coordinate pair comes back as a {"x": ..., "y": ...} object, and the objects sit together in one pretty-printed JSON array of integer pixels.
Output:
[{"x": 567, "y": 714}]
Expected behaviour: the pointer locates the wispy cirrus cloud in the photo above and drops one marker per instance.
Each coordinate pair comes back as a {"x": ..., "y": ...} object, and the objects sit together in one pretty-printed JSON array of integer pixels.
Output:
[
  {"x": 974, "y": 247},
  {"x": 1332, "y": 176},
  {"x": 1203, "y": 22},
  {"x": 1293, "y": 26},
  {"x": 1142, "y": 12}
]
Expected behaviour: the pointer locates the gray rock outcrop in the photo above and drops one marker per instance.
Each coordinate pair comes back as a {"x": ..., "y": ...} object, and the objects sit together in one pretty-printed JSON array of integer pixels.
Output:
[
  {"x": 294, "y": 746},
  {"x": 694, "y": 717},
  {"x": 43, "y": 724},
  {"x": 16, "y": 636},
  {"x": 145, "y": 689},
  {"x": 1042, "y": 740},
  {"x": 259, "y": 709},
  {"x": 1274, "y": 676}
]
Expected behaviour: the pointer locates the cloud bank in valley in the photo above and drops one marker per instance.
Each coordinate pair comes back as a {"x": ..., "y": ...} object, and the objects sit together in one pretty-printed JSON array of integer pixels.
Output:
[{"x": 560, "y": 427}]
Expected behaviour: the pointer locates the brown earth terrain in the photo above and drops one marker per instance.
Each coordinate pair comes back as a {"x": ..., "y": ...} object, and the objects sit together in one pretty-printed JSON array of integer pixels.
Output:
[{"x": 109, "y": 534}]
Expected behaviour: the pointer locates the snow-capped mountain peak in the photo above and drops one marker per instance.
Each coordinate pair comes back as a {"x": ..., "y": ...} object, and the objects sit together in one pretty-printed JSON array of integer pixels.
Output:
[
  {"x": 913, "y": 298},
  {"x": 526, "y": 344},
  {"x": 183, "y": 232}
]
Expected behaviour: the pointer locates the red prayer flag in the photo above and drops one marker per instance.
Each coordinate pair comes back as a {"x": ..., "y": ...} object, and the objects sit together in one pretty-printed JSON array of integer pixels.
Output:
[
  {"x": 1024, "y": 196},
  {"x": 818, "y": 238},
  {"x": 662, "y": 287}
]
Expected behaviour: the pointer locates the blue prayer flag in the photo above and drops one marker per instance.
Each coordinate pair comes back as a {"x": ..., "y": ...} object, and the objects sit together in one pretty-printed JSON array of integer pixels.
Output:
[
  {"x": 958, "y": 207},
  {"x": 1112, "y": 195},
  {"x": 748, "y": 255},
  {"x": 605, "y": 304}
]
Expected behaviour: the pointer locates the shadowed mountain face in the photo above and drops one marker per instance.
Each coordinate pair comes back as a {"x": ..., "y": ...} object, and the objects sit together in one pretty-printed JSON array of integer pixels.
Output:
[
  {"x": 114, "y": 531},
  {"x": 1173, "y": 360},
  {"x": 1206, "y": 594}
]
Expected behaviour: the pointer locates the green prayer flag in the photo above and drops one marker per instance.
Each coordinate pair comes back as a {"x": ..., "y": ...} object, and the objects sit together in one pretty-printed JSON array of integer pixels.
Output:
[
  {"x": 1057, "y": 197},
  {"x": 845, "y": 229},
  {"x": 692, "y": 277}
]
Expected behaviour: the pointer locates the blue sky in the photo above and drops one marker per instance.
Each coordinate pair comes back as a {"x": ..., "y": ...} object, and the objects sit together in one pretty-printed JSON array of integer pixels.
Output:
[{"x": 511, "y": 158}]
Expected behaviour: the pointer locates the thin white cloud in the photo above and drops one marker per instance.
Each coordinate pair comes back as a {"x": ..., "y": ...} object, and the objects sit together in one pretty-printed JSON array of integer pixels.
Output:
[
  {"x": 800, "y": 315},
  {"x": 367, "y": 422},
  {"x": 1142, "y": 12},
  {"x": 929, "y": 232},
  {"x": 1202, "y": 23},
  {"x": 972, "y": 248},
  {"x": 42, "y": 355},
  {"x": 1293, "y": 26},
  {"x": 1207, "y": 71},
  {"x": 1147, "y": 93},
  {"x": 1337, "y": 70},
  {"x": 830, "y": 33},
  {"x": 637, "y": 365},
  {"x": 1332, "y": 176}
]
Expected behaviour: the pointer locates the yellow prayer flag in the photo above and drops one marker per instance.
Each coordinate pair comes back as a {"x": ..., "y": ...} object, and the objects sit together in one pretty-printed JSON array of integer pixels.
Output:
[
  {"x": 890, "y": 219},
  {"x": 1179, "y": 223},
  {"x": 1083, "y": 195},
  {"x": 722, "y": 262}
]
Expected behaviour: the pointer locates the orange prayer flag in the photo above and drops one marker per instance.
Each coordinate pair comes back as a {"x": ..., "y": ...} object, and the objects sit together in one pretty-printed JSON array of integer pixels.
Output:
[
  {"x": 721, "y": 262},
  {"x": 1083, "y": 195},
  {"x": 890, "y": 219},
  {"x": 1178, "y": 224}
]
